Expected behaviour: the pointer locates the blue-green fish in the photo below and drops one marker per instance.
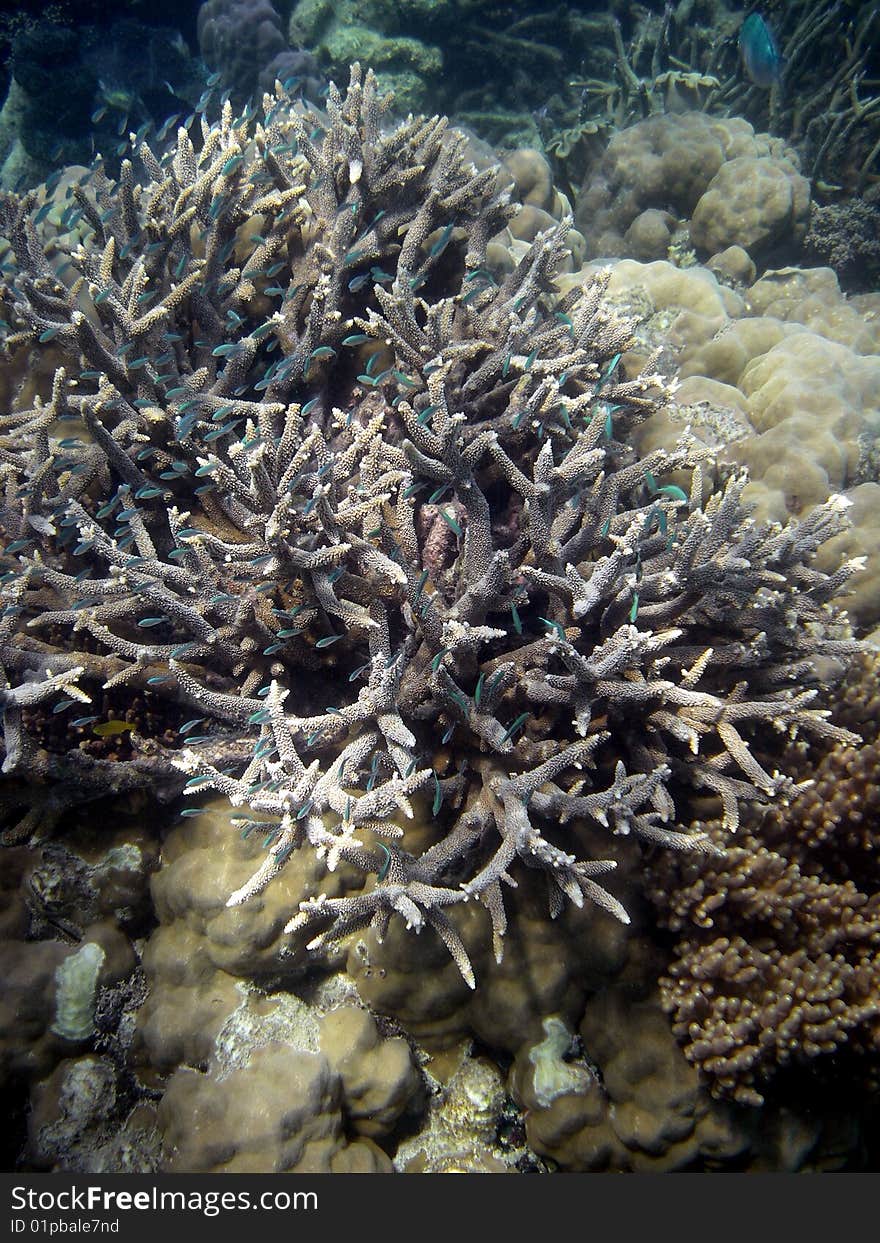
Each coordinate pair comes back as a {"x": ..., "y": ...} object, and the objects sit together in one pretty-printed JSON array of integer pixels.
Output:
[{"x": 760, "y": 55}]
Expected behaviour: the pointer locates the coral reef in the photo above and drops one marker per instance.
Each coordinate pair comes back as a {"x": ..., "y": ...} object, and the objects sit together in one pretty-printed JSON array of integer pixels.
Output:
[
  {"x": 687, "y": 59},
  {"x": 81, "y": 89},
  {"x": 755, "y": 203},
  {"x": 379, "y": 1076},
  {"x": 828, "y": 54},
  {"x": 243, "y": 41},
  {"x": 202, "y": 948},
  {"x": 777, "y": 961},
  {"x": 487, "y": 64},
  {"x": 656, "y": 62},
  {"x": 618, "y": 1094},
  {"x": 625, "y": 1104},
  {"x": 82, "y": 1119},
  {"x": 281, "y": 1112},
  {"x": 462, "y": 1132},
  {"x": 728, "y": 183},
  {"x": 301, "y": 435},
  {"x": 394, "y": 40},
  {"x": 845, "y": 236},
  {"x": 53, "y": 987},
  {"x": 780, "y": 374}
]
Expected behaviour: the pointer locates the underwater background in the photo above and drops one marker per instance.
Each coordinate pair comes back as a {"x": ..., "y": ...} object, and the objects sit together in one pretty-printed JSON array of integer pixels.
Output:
[{"x": 404, "y": 524}]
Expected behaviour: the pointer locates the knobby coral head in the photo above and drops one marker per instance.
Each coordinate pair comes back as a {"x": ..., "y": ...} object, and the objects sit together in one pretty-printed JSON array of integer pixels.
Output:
[{"x": 323, "y": 481}]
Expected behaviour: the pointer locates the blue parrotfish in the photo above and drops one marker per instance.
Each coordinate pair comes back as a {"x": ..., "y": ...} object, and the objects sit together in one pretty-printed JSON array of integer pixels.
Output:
[{"x": 760, "y": 55}]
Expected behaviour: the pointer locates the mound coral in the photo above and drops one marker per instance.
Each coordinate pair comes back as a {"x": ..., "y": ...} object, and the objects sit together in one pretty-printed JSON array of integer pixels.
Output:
[
  {"x": 354, "y": 509},
  {"x": 733, "y": 185}
]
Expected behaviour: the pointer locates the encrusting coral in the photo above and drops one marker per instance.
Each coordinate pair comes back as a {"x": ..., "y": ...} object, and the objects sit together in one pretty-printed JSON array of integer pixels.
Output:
[{"x": 301, "y": 436}]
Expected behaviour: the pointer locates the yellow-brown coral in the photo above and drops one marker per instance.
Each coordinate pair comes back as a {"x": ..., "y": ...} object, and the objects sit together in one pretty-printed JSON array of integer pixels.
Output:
[{"x": 778, "y": 958}]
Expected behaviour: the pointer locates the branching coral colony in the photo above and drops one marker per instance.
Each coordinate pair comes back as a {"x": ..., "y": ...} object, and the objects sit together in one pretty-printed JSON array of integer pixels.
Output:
[{"x": 303, "y": 436}]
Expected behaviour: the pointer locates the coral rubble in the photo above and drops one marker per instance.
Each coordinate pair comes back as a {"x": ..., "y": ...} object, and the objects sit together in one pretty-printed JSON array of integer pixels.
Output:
[{"x": 357, "y": 512}]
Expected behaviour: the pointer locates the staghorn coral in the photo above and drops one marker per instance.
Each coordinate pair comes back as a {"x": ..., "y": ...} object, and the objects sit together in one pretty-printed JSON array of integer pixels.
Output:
[
  {"x": 664, "y": 62},
  {"x": 274, "y": 353},
  {"x": 823, "y": 106}
]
